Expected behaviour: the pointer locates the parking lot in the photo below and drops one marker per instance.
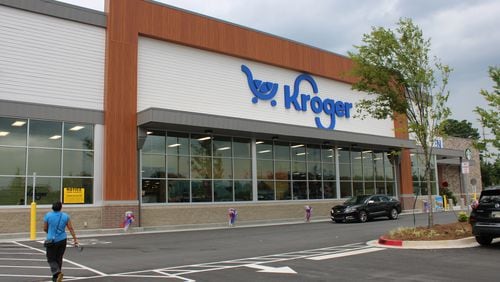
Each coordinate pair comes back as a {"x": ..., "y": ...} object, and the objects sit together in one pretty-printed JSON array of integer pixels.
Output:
[{"x": 318, "y": 251}]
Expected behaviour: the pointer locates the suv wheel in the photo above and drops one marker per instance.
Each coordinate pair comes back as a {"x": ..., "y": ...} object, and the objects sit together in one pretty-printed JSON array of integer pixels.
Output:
[{"x": 484, "y": 240}]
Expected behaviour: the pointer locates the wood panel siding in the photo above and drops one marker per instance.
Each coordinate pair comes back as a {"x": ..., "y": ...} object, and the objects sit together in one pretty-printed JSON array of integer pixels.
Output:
[
  {"x": 120, "y": 154},
  {"x": 405, "y": 178}
]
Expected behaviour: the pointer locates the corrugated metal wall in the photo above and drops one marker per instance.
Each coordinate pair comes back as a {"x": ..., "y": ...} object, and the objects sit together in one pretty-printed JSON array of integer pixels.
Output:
[{"x": 50, "y": 61}]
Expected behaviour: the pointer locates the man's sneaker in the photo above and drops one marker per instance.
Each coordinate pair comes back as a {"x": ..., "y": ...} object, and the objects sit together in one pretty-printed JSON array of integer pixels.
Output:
[{"x": 60, "y": 277}]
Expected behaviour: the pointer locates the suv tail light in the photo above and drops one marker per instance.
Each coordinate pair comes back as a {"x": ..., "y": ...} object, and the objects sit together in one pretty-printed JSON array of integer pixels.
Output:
[{"x": 474, "y": 204}]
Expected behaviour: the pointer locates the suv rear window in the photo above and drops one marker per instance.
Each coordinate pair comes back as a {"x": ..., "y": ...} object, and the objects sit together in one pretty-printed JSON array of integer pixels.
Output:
[{"x": 488, "y": 196}]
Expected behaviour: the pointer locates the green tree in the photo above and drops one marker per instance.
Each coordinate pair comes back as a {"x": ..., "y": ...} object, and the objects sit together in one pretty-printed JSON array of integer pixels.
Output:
[
  {"x": 395, "y": 69},
  {"x": 489, "y": 117},
  {"x": 462, "y": 129},
  {"x": 490, "y": 173}
]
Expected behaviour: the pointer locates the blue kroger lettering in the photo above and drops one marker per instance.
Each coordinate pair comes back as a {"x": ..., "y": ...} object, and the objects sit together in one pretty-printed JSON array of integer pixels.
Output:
[{"x": 299, "y": 101}]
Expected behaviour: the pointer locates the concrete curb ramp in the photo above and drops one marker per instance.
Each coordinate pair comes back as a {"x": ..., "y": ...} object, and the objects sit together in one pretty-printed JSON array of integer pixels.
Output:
[{"x": 468, "y": 242}]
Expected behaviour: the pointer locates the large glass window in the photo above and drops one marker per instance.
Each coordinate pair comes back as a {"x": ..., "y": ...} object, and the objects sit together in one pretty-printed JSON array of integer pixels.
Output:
[
  {"x": 45, "y": 156},
  {"x": 418, "y": 172},
  {"x": 197, "y": 167},
  {"x": 13, "y": 131},
  {"x": 371, "y": 172},
  {"x": 213, "y": 168}
]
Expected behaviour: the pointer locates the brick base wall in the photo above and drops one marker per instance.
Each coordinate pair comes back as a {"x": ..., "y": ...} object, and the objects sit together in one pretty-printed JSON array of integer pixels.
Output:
[{"x": 17, "y": 220}]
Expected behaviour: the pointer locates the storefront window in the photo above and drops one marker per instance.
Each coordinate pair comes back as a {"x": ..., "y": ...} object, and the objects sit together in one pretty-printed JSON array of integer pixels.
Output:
[
  {"x": 243, "y": 190},
  {"x": 52, "y": 156},
  {"x": 330, "y": 189},
  {"x": 283, "y": 190},
  {"x": 17, "y": 161},
  {"x": 217, "y": 168},
  {"x": 153, "y": 191},
  {"x": 47, "y": 190},
  {"x": 199, "y": 167},
  {"x": 265, "y": 190},
  {"x": 178, "y": 191},
  {"x": 223, "y": 191},
  {"x": 178, "y": 166},
  {"x": 12, "y": 190},
  {"x": 78, "y": 163},
  {"x": 201, "y": 145},
  {"x": 46, "y": 134},
  {"x": 13, "y": 131},
  {"x": 418, "y": 172},
  {"x": 78, "y": 136},
  {"x": 201, "y": 190},
  {"x": 153, "y": 166}
]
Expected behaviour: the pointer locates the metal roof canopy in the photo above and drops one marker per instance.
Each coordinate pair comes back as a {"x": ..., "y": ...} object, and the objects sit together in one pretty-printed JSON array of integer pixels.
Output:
[{"x": 154, "y": 118}]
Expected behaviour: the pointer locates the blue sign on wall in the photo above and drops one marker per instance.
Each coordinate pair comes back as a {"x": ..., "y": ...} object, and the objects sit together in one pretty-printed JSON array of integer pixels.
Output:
[{"x": 267, "y": 91}]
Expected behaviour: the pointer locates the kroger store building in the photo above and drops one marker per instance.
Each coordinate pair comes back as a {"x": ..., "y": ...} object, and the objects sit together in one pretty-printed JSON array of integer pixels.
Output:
[{"x": 177, "y": 117}]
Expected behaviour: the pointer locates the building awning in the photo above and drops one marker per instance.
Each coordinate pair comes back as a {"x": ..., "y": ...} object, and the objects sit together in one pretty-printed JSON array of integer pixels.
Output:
[
  {"x": 155, "y": 118},
  {"x": 447, "y": 156}
]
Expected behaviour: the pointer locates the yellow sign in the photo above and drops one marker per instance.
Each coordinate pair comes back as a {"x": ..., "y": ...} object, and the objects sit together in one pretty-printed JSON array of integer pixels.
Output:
[{"x": 74, "y": 195}]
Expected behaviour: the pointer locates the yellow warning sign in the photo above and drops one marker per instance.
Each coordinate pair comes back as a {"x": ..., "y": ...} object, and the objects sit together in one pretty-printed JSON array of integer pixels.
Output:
[{"x": 74, "y": 195}]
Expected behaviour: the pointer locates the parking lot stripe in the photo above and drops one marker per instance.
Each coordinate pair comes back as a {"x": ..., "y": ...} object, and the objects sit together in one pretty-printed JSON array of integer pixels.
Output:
[
  {"x": 22, "y": 259},
  {"x": 66, "y": 260},
  {"x": 345, "y": 254}
]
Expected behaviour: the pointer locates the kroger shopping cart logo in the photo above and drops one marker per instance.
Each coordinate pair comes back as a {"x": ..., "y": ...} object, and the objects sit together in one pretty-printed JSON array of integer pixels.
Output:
[{"x": 266, "y": 91}]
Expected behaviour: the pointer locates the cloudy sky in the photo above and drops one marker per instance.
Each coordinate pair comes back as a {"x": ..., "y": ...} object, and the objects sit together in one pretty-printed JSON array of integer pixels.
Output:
[{"x": 465, "y": 34}]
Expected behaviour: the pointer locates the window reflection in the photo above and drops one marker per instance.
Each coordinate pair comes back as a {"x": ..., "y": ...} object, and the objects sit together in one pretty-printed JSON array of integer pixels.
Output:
[
  {"x": 78, "y": 136},
  {"x": 42, "y": 152},
  {"x": 214, "y": 169},
  {"x": 45, "y": 134},
  {"x": 13, "y": 131}
]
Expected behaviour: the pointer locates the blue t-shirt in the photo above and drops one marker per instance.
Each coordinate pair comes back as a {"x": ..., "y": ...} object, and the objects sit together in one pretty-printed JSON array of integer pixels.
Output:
[{"x": 57, "y": 225}]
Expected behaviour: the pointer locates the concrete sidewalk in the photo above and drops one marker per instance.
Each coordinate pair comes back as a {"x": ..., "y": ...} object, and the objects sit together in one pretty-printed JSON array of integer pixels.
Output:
[{"x": 83, "y": 233}]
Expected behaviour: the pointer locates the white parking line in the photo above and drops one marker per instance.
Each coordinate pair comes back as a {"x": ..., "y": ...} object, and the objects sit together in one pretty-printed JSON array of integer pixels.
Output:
[
  {"x": 322, "y": 253},
  {"x": 22, "y": 259},
  {"x": 345, "y": 254},
  {"x": 67, "y": 260}
]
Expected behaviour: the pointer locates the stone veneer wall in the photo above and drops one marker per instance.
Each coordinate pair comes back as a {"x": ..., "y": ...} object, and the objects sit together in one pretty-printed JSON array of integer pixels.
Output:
[
  {"x": 81, "y": 218},
  {"x": 451, "y": 173},
  {"x": 213, "y": 214},
  {"x": 163, "y": 215}
]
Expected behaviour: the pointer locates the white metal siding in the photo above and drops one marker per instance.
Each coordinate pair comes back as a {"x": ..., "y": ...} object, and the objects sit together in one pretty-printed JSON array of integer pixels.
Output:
[
  {"x": 51, "y": 61},
  {"x": 177, "y": 77}
]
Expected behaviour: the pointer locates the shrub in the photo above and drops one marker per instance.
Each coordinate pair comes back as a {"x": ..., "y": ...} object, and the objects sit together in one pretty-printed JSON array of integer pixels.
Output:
[{"x": 462, "y": 217}]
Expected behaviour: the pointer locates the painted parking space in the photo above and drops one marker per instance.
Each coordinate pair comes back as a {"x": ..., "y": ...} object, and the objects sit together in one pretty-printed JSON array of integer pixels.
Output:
[
  {"x": 259, "y": 264},
  {"x": 20, "y": 262}
]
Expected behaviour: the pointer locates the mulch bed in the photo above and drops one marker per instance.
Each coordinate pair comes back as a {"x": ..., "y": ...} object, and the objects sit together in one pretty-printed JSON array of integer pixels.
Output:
[{"x": 452, "y": 231}]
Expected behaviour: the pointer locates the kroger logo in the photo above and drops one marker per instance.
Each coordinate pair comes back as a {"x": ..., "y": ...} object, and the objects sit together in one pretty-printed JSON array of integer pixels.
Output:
[{"x": 266, "y": 91}]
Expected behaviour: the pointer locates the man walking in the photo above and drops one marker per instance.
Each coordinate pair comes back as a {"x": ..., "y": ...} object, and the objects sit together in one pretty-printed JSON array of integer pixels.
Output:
[{"x": 54, "y": 224}]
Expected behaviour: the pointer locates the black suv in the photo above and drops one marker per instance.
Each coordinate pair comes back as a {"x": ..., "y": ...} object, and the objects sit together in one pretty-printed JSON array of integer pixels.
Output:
[
  {"x": 485, "y": 216},
  {"x": 365, "y": 207}
]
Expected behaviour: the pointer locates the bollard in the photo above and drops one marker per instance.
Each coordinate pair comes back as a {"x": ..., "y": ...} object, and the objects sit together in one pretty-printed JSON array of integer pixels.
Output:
[{"x": 33, "y": 221}]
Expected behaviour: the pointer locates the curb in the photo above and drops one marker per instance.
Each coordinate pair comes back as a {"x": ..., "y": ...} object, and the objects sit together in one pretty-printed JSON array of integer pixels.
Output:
[
  {"x": 468, "y": 242},
  {"x": 383, "y": 241}
]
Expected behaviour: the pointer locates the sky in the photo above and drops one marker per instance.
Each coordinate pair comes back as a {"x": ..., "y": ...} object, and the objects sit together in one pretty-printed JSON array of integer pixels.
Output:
[{"x": 464, "y": 34}]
